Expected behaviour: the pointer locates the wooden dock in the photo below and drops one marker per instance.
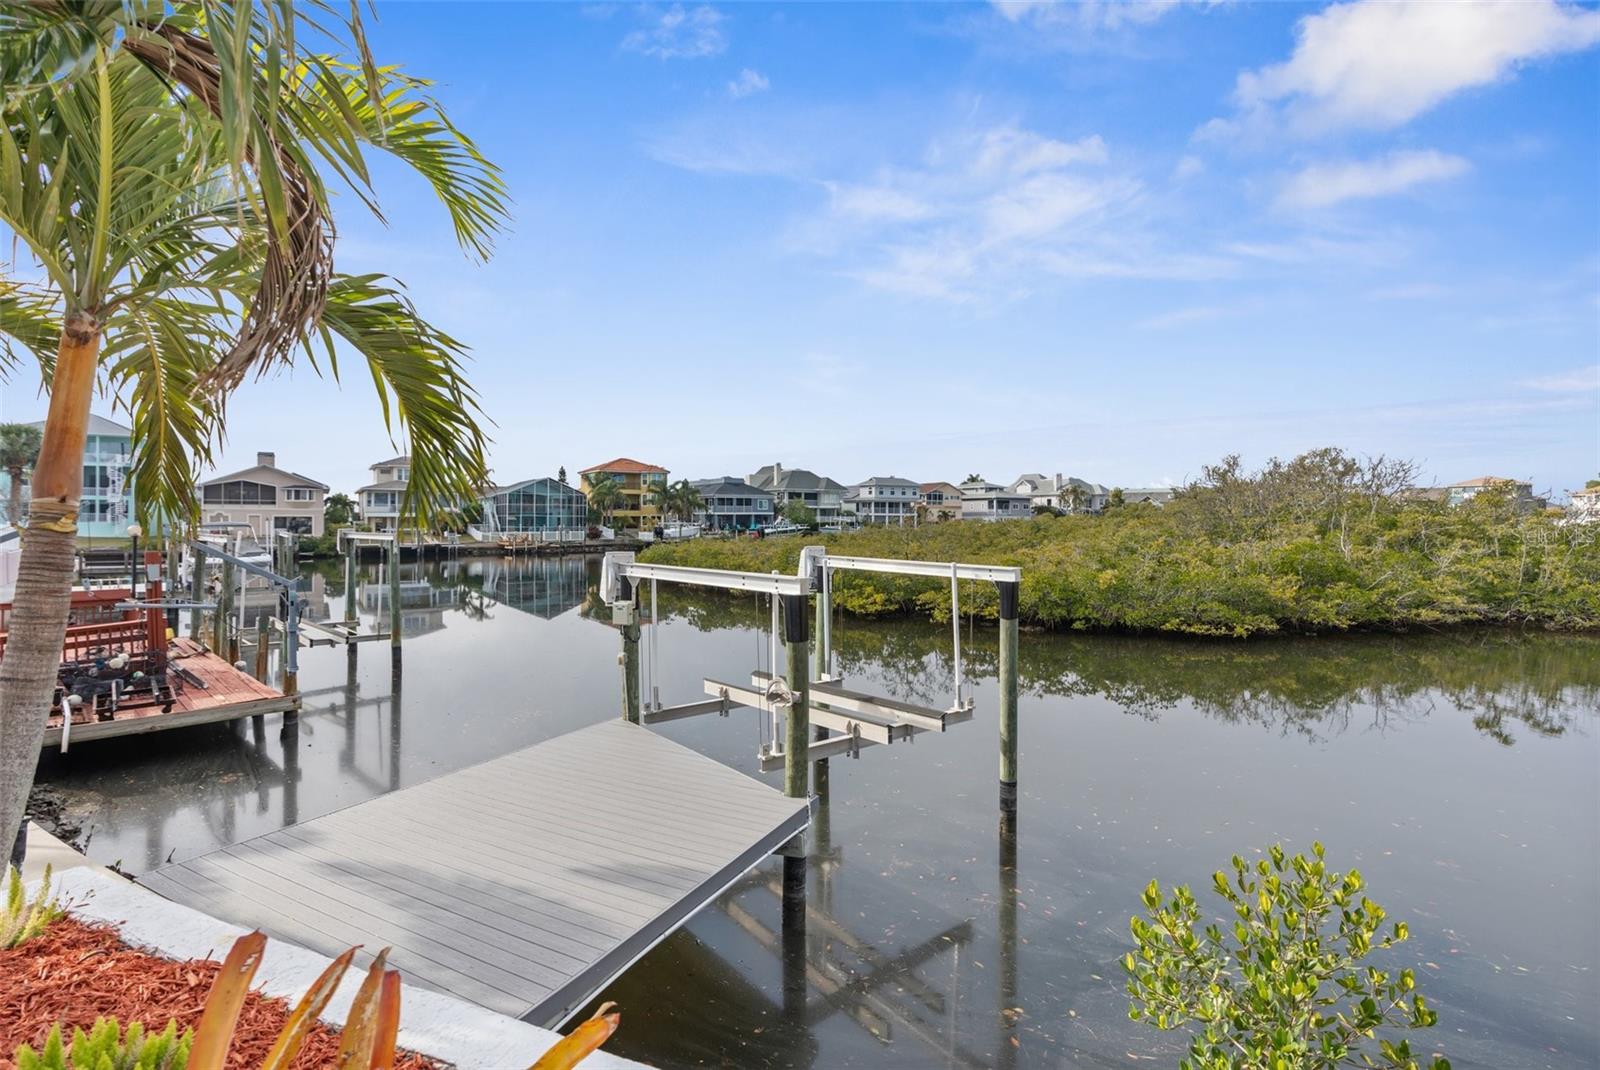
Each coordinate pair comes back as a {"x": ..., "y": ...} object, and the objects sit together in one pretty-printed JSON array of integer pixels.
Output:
[
  {"x": 525, "y": 884},
  {"x": 228, "y": 695}
]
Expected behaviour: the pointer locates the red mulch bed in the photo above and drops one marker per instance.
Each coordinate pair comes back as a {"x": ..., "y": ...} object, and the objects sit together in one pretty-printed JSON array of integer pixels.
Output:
[{"x": 74, "y": 973}]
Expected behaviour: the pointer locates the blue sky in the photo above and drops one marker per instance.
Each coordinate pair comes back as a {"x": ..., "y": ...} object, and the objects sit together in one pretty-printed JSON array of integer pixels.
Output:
[{"x": 1117, "y": 241}]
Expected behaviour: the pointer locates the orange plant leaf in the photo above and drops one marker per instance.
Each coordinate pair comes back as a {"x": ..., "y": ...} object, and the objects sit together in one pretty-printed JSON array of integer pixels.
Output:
[
  {"x": 579, "y": 1044},
  {"x": 355, "y": 1045},
  {"x": 305, "y": 1014},
  {"x": 214, "y": 1036},
  {"x": 387, "y": 1026}
]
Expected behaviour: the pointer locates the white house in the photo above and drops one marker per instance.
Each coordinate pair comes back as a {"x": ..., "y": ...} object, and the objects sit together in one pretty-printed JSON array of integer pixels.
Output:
[
  {"x": 1519, "y": 491},
  {"x": 884, "y": 500},
  {"x": 1066, "y": 494},
  {"x": 265, "y": 497},
  {"x": 1583, "y": 507},
  {"x": 990, "y": 501},
  {"x": 380, "y": 500}
]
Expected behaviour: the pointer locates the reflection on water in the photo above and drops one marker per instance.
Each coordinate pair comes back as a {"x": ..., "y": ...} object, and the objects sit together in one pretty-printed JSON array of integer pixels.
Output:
[{"x": 1458, "y": 772}]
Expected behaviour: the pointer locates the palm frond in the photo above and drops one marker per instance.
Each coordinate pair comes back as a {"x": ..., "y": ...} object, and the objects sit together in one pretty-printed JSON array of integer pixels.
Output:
[
  {"x": 426, "y": 400},
  {"x": 29, "y": 317}
]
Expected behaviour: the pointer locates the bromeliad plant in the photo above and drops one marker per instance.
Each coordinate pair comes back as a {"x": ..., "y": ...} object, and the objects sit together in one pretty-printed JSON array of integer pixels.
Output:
[
  {"x": 367, "y": 1042},
  {"x": 1290, "y": 990},
  {"x": 21, "y": 918}
]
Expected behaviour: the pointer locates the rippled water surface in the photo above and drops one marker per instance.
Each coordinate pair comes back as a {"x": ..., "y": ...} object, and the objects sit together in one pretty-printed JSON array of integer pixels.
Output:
[{"x": 1458, "y": 772}]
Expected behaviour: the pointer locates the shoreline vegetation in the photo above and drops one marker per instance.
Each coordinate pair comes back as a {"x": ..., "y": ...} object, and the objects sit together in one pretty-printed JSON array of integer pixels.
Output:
[{"x": 1320, "y": 543}]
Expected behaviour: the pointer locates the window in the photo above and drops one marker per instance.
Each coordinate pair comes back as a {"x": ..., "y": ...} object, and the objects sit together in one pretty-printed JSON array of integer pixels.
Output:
[
  {"x": 300, "y": 525},
  {"x": 297, "y": 494},
  {"x": 240, "y": 492}
]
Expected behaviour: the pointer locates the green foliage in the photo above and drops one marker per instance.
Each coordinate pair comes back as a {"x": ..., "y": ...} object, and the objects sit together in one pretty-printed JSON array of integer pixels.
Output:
[
  {"x": 1315, "y": 544},
  {"x": 1284, "y": 986},
  {"x": 338, "y": 510},
  {"x": 798, "y": 512},
  {"x": 106, "y": 1047},
  {"x": 22, "y": 919}
]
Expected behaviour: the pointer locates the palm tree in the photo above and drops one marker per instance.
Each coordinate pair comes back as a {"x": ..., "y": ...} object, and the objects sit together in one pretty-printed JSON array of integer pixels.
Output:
[
  {"x": 680, "y": 500},
  {"x": 605, "y": 494},
  {"x": 165, "y": 166},
  {"x": 19, "y": 448}
]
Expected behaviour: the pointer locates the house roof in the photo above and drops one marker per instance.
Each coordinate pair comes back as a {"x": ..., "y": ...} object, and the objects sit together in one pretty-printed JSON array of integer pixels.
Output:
[
  {"x": 387, "y": 484},
  {"x": 1586, "y": 492},
  {"x": 792, "y": 479},
  {"x": 404, "y": 458},
  {"x": 726, "y": 485},
  {"x": 496, "y": 491},
  {"x": 625, "y": 465},
  {"x": 939, "y": 485},
  {"x": 887, "y": 481},
  {"x": 1486, "y": 481},
  {"x": 276, "y": 476},
  {"x": 99, "y": 425}
]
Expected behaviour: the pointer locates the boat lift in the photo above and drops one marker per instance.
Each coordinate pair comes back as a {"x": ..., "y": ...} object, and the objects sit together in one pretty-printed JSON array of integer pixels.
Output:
[{"x": 809, "y": 693}]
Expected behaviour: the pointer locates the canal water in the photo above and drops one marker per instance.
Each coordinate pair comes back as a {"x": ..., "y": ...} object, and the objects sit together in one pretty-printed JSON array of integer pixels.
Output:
[{"x": 1457, "y": 772}]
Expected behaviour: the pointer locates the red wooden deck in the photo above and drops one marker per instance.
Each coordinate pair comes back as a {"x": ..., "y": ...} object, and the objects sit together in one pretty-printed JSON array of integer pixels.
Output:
[{"x": 228, "y": 695}]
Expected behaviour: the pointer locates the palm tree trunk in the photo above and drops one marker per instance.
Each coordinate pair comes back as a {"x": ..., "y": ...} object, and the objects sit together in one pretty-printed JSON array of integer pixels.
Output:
[
  {"x": 14, "y": 506},
  {"x": 44, "y": 572}
]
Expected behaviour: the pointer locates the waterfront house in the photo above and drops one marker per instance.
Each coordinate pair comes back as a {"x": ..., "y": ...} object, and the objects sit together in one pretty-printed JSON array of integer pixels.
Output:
[
  {"x": 1147, "y": 495},
  {"x": 1520, "y": 493},
  {"x": 983, "y": 500},
  {"x": 1583, "y": 506},
  {"x": 106, "y": 508},
  {"x": 545, "y": 506},
  {"x": 1064, "y": 494},
  {"x": 267, "y": 498},
  {"x": 821, "y": 495},
  {"x": 730, "y": 504},
  {"x": 884, "y": 500},
  {"x": 380, "y": 500},
  {"x": 942, "y": 500},
  {"x": 641, "y": 485}
]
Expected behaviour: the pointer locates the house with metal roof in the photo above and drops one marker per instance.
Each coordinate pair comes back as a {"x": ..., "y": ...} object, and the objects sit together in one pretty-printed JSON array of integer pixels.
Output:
[
  {"x": 731, "y": 504},
  {"x": 884, "y": 500},
  {"x": 823, "y": 496}
]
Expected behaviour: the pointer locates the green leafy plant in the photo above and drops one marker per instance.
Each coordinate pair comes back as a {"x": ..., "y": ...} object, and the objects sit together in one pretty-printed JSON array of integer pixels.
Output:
[
  {"x": 106, "y": 1046},
  {"x": 1290, "y": 991},
  {"x": 23, "y": 919}
]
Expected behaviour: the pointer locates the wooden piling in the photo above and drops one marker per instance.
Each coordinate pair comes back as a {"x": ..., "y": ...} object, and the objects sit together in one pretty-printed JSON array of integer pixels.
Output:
[
  {"x": 796, "y": 749},
  {"x": 394, "y": 594},
  {"x": 197, "y": 589},
  {"x": 224, "y": 612},
  {"x": 263, "y": 645},
  {"x": 351, "y": 612},
  {"x": 1008, "y": 696},
  {"x": 625, "y": 614}
]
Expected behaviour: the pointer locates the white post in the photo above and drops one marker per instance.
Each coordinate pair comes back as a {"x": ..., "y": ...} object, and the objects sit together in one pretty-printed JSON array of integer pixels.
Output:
[{"x": 955, "y": 628}]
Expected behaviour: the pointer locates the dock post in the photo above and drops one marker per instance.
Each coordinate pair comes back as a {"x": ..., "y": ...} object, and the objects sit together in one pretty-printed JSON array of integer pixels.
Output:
[
  {"x": 625, "y": 614},
  {"x": 796, "y": 750},
  {"x": 1008, "y": 696},
  {"x": 197, "y": 588},
  {"x": 224, "y": 612},
  {"x": 172, "y": 582},
  {"x": 351, "y": 614},
  {"x": 263, "y": 643},
  {"x": 394, "y": 596}
]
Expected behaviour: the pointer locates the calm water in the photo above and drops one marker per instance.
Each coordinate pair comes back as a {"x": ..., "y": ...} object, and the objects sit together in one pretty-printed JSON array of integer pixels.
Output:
[{"x": 1459, "y": 773}]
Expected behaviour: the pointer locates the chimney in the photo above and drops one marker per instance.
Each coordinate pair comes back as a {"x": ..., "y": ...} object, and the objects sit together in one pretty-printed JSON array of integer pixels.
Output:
[
  {"x": 266, "y": 459},
  {"x": 777, "y": 472},
  {"x": 1058, "y": 481}
]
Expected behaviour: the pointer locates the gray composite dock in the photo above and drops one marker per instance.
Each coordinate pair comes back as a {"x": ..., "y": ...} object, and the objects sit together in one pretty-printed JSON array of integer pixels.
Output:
[{"x": 524, "y": 884}]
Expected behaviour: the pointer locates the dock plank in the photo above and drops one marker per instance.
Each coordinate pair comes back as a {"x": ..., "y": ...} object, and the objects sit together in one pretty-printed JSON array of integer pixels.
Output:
[{"x": 524, "y": 884}]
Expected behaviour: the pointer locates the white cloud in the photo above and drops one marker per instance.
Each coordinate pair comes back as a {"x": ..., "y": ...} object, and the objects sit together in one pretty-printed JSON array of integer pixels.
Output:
[
  {"x": 1380, "y": 63},
  {"x": 748, "y": 83},
  {"x": 678, "y": 33},
  {"x": 1186, "y": 317},
  {"x": 1188, "y": 167},
  {"x": 1577, "y": 381},
  {"x": 1085, "y": 14},
  {"x": 1325, "y": 184}
]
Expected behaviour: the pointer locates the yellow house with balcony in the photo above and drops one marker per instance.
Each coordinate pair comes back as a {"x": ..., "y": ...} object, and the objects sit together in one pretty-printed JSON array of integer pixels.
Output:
[{"x": 640, "y": 485}]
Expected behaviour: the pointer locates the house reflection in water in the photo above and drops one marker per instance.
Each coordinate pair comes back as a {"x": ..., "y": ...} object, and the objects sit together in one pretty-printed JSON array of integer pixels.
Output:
[
  {"x": 543, "y": 586},
  {"x": 422, "y": 605}
]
